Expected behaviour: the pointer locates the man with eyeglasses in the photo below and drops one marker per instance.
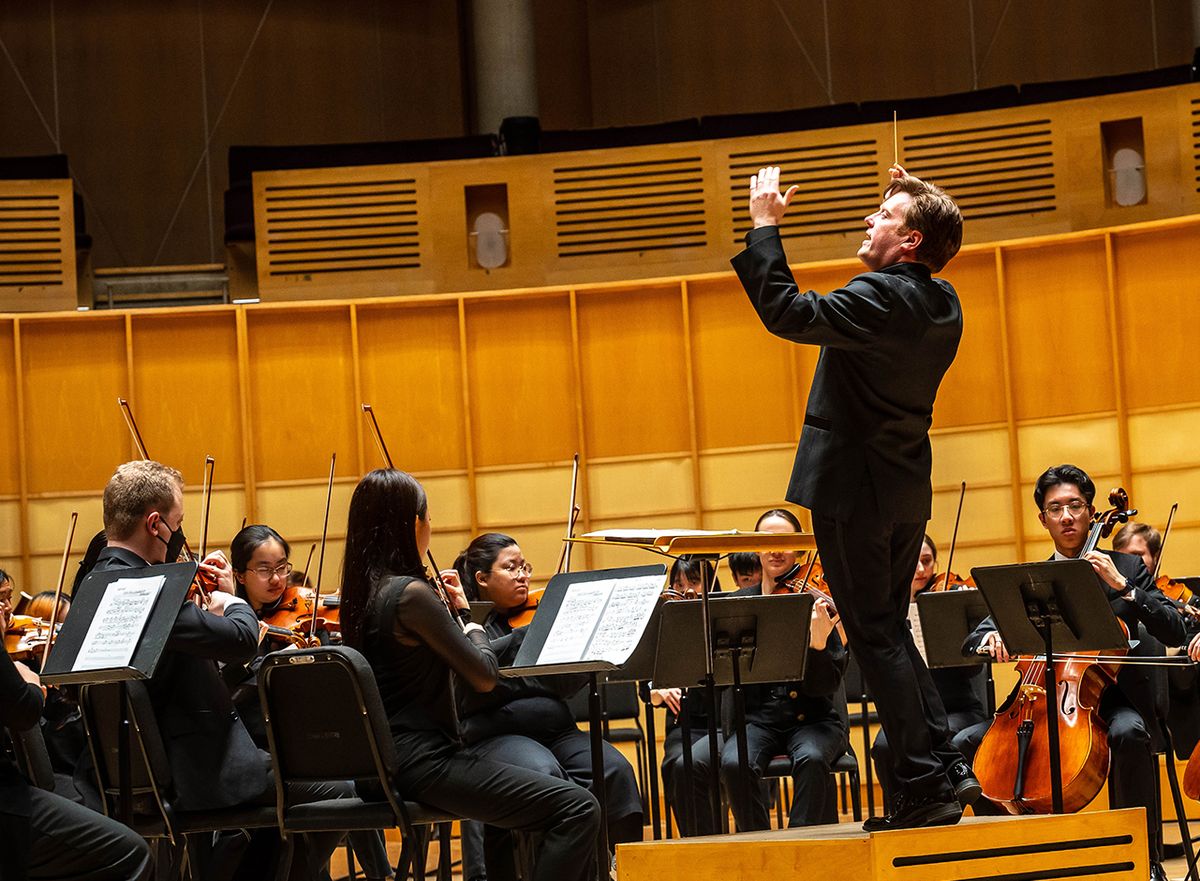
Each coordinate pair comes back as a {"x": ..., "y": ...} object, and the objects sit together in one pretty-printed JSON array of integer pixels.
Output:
[{"x": 1064, "y": 497}]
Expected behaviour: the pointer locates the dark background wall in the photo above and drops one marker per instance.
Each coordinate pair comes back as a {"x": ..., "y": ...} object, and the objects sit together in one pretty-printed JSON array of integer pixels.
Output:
[{"x": 146, "y": 96}]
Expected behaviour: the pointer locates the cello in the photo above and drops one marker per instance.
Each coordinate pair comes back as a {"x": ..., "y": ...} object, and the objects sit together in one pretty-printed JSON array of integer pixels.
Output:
[{"x": 1013, "y": 761}]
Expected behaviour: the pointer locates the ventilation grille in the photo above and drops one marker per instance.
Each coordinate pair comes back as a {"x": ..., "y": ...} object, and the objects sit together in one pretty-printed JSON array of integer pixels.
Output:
[
  {"x": 36, "y": 239},
  {"x": 839, "y": 186},
  {"x": 991, "y": 171},
  {"x": 320, "y": 229},
  {"x": 1196, "y": 141},
  {"x": 630, "y": 207}
]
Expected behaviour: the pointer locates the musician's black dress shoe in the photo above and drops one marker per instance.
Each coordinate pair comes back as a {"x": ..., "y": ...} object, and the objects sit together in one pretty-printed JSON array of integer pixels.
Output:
[
  {"x": 916, "y": 812},
  {"x": 966, "y": 788},
  {"x": 1156, "y": 871}
]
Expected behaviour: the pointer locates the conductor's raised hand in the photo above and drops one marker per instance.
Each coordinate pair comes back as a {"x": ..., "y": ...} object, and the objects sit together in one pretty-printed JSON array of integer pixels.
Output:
[{"x": 767, "y": 204}]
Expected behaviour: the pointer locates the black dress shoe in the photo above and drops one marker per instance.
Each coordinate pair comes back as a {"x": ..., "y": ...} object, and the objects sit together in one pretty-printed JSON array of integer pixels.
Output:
[
  {"x": 915, "y": 813},
  {"x": 1156, "y": 871},
  {"x": 966, "y": 788}
]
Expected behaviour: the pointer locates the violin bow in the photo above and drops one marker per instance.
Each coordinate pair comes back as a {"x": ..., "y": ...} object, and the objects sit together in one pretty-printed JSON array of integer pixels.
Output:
[
  {"x": 387, "y": 457},
  {"x": 962, "y": 494},
  {"x": 564, "y": 559},
  {"x": 62, "y": 579},
  {"x": 127, "y": 412},
  {"x": 312, "y": 624},
  {"x": 308, "y": 563},
  {"x": 1163, "y": 545},
  {"x": 206, "y": 503}
]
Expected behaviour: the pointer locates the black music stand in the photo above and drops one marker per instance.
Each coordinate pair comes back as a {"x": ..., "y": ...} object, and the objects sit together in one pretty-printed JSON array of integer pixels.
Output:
[
  {"x": 636, "y": 665},
  {"x": 60, "y": 666},
  {"x": 948, "y": 617},
  {"x": 755, "y": 639},
  {"x": 1043, "y": 608}
]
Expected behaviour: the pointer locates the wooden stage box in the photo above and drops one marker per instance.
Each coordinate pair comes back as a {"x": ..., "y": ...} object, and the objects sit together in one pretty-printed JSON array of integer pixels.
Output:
[{"x": 1108, "y": 845}]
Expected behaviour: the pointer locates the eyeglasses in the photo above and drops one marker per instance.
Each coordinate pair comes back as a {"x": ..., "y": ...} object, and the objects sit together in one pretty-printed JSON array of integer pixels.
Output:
[
  {"x": 517, "y": 571},
  {"x": 283, "y": 570},
  {"x": 1055, "y": 510}
]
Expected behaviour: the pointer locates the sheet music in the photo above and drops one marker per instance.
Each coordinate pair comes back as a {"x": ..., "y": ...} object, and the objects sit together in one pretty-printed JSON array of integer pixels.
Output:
[
  {"x": 914, "y": 623},
  {"x": 576, "y": 622},
  {"x": 630, "y": 605},
  {"x": 118, "y": 623}
]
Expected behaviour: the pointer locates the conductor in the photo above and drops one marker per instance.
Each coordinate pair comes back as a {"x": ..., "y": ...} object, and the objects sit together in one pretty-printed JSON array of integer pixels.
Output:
[{"x": 862, "y": 468}]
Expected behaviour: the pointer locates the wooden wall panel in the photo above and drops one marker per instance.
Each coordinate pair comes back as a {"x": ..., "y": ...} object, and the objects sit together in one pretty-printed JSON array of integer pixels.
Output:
[
  {"x": 538, "y": 494},
  {"x": 48, "y": 519},
  {"x": 1153, "y": 282},
  {"x": 412, "y": 377},
  {"x": 987, "y": 516},
  {"x": 192, "y": 361},
  {"x": 736, "y": 480},
  {"x": 744, "y": 382},
  {"x": 73, "y": 372},
  {"x": 634, "y": 382},
  {"x": 660, "y": 486},
  {"x": 1181, "y": 558},
  {"x": 1091, "y": 444},
  {"x": 10, "y": 447},
  {"x": 1164, "y": 438},
  {"x": 970, "y": 394},
  {"x": 10, "y": 537},
  {"x": 1153, "y": 493},
  {"x": 519, "y": 369},
  {"x": 1056, "y": 371},
  {"x": 302, "y": 406},
  {"x": 978, "y": 457},
  {"x": 449, "y": 502}
]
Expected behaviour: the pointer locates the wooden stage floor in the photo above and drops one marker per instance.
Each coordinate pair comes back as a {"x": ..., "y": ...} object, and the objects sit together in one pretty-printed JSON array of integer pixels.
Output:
[{"x": 1108, "y": 845}]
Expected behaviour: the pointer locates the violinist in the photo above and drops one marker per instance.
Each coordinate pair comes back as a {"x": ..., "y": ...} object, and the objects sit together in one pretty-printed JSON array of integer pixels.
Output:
[
  {"x": 799, "y": 719},
  {"x": 1141, "y": 540},
  {"x": 6, "y": 599},
  {"x": 392, "y": 615},
  {"x": 1064, "y": 495},
  {"x": 44, "y": 837},
  {"x": 42, "y": 606},
  {"x": 688, "y": 798},
  {"x": 962, "y": 689},
  {"x": 259, "y": 558},
  {"x": 214, "y": 761},
  {"x": 526, "y": 722}
]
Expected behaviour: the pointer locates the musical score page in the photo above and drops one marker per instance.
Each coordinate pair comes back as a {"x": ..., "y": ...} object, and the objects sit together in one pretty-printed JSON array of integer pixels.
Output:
[
  {"x": 118, "y": 623},
  {"x": 914, "y": 623},
  {"x": 601, "y": 620}
]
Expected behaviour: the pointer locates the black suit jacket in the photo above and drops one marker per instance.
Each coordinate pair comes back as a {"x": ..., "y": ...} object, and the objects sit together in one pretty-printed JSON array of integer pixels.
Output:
[
  {"x": 887, "y": 339},
  {"x": 214, "y": 761},
  {"x": 1149, "y": 607}
]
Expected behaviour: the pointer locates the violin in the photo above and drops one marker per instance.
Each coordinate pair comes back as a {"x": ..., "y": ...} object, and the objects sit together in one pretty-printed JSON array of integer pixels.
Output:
[
  {"x": 950, "y": 581},
  {"x": 523, "y": 614},
  {"x": 812, "y": 583},
  {"x": 1013, "y": 761},
  {"x": 295, "y": 612},
  {"x": 26, "y": 638}
]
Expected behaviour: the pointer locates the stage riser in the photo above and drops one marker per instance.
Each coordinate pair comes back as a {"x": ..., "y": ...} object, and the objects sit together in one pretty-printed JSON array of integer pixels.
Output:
[{"x": 1108, "y": 845}]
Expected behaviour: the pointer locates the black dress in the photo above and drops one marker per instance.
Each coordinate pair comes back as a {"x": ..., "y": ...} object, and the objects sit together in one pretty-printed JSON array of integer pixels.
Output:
[{"x": 413, "y": 647}]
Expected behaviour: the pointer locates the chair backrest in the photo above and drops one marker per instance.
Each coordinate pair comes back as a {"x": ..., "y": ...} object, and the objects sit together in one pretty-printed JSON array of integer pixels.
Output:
[
  {"x": 29, "y": 749},
  {"x": 620, "y": 701},
  {"x": 150, "y": 771},
  {"x": 325, "y": 719}
]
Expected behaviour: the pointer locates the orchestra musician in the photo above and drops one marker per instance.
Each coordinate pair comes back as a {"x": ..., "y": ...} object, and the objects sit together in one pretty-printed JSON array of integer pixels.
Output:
[
  {"x": 687, "y": 797},
  {"x": 962, "y": 688},
  {"x": 1064, "y": 495},
  {"x": 415, "y": 643},
  {"x": 259, "y": 558},
  {"x": 526, "y": 721},
  {"x": 746, "y": 568},
  {"x": 797, "y": 719},
  {"x": 863, "y": 463},
  {"x": 214, "y": 761}
]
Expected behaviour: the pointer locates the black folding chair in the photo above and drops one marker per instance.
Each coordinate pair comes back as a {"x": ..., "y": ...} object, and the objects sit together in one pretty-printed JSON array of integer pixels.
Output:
[
  {"x": 349, "y": 739},
  {"x": 155, "y": 815}
]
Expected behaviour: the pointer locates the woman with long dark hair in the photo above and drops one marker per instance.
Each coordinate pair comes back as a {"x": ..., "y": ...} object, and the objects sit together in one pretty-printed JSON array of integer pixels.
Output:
[{"x": 392, "y": 615}]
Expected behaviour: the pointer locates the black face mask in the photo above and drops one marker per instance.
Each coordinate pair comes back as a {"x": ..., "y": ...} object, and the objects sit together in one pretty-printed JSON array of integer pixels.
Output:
[{"x": 174, "y": 544}]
